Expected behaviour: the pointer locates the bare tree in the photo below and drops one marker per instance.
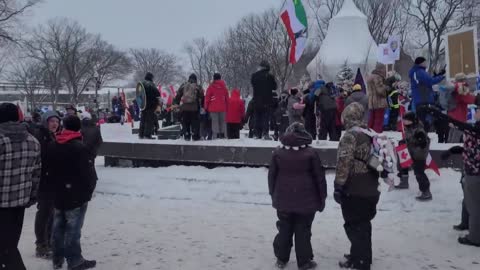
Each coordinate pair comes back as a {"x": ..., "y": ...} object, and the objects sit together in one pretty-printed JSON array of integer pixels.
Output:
[
  {"x": 436, "y": 18},
  {"x": 164, "y": 66},
  {"x": 110, "y": 63},
  {"x": 198, "y": 52},
  {"x": 10, "y": 13},
  {"x": 29, "y": 75}
]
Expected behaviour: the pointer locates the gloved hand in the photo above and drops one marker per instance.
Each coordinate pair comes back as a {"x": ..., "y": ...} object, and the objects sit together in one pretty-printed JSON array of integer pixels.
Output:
[
  {"x": 338, "y": 193},
  {"x": 442, "y": 72}
]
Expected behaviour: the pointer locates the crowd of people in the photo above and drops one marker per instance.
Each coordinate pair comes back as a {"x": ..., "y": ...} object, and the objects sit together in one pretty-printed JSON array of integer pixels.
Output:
[{"x": 48, "y": 161}]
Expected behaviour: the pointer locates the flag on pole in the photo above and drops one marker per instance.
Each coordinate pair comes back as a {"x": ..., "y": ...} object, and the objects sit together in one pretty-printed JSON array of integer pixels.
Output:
[
  {"x": 404, "y": 157},
  {"x": 432, "y": 165},
  {"x": 294, "y": 18},
  {"x": 128, "y": 116}
]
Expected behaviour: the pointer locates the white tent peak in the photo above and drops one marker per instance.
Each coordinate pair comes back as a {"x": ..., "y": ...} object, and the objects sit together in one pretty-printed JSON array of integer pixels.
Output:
[{"x": 349, "y": 9}]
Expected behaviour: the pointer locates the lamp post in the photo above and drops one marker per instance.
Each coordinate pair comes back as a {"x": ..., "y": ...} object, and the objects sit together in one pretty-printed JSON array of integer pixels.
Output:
[{"x": 98, "y": 84}]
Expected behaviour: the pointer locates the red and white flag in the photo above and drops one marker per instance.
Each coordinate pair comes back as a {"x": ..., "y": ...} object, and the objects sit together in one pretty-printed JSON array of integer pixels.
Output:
[
  {"x": 432, "y": 165},
  {"x": 128, "y": 117},
  {"x": 404, "y": 157}
]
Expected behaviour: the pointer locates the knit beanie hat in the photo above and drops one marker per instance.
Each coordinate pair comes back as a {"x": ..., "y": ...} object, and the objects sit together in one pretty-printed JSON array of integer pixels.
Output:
[
  {"x": 9, "y": 113},
  {"x": 217, "y": 76},
  {"x": 410, "y": 116},
  {"x": 420, "y": 60},
  {"x": 192, "y": 78},
  {"x": 149, "y": 77},
  {"x": 72, "y": 123}
]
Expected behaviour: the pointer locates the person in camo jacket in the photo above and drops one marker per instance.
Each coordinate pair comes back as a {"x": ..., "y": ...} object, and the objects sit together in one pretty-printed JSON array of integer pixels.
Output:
[{"x": 20, "y": 169}]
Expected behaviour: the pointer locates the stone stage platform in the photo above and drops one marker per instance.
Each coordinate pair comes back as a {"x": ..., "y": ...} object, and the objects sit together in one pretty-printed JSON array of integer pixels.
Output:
[{"x": 175, "y": 152}]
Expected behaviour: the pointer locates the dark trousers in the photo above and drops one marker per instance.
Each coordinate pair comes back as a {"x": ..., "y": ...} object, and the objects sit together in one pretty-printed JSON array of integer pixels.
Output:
[
  {"x": 11, "y": 223},
  {"x": 147, "y": 123},
  {"x": 423, "y": 116},
  {"x": 393, "y": 119},
  {"x": 288, "y": 225},
  {"x": 328, "y": 126},
  {"x": 419, "y": 171},
  {"x": 44, "y": 222},
  {"x": 442, "y": 129},
  {"x": 465, "y": 215},
  {"x": 67, "y": 231},
  {"x": 262, "y": 118},
  {"x": 233, "y": 130},
  {"x": 191, "y": 125},
  {"x": 358, "y": 213},
  {"x": 376, "y": 120}
]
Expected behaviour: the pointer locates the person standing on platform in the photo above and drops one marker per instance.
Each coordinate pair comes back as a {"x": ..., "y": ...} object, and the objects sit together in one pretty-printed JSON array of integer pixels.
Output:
[
  {"x": 20, "y": 170},
  {"x": 235, "y": 115},
  {"x": 216, "y": 104},
  {"x": 264, "y": 84},
  {"x": 190, "y": 98},
  {"x": 377, "y": 98},
  {"x": 148, "y": 116}
]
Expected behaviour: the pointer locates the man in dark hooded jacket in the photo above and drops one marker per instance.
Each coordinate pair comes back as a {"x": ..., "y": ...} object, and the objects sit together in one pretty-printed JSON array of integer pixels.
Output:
[
  {"x": 92, "y": 137},
  {"x": 148, "y": 117},
  {"x": 45, "y": 134},
  {"x": 71, "y": 172},
  {"x": 264, "y": 84}
]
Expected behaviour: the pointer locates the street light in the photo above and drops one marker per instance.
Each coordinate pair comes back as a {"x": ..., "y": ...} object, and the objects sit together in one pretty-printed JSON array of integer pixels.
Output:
[{"x": 98, "y": 84}]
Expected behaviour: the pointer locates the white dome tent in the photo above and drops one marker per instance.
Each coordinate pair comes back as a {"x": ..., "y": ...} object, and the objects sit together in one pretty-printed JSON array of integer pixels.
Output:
[{"x": 348, "y": 42}]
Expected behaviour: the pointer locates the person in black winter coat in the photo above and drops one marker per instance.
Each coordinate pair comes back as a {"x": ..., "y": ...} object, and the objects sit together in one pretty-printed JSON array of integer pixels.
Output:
[
  {"x": 250, "y": 119},
  {"x": 264, "y": 84},
  {"x": 148, "y": 116},
  {"x": 70, "y": 168},
  {"x": 297, "y": 185},
  {"x": 92, "y": 137},
  {"x": 45, "y": 134},
  {"x": 309, "y": 113},
  {"x": 327, "y": 107}
]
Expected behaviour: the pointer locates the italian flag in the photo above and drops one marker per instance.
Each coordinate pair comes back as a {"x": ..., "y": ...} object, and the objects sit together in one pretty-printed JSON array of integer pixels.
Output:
[{"x": 294, "y": 18}]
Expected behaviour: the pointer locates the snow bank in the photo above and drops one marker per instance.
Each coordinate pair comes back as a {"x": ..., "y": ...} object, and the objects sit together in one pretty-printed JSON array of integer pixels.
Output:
[{"x": 192, "y": 218}]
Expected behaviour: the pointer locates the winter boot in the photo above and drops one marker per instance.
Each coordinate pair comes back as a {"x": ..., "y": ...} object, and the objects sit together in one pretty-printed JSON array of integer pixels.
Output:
[
  {"x": 403, "y": 182},
  {"x": 425, "y": 196},
  {"x": 280, "y": 265},
  {"x": 460, "y": 227},
  {"x": 84, "y": 265},
  {"x": 43, "y": 251},
  {"x": 349, "y": 264},
  {"x": 309, "y": 265},
  {"x": 58, "y": 263},
  {"x": 467, "y": 242}
]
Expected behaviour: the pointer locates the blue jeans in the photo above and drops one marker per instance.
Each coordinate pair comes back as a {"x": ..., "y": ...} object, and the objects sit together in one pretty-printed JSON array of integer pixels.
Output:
[{"x": 67, "y": 230}]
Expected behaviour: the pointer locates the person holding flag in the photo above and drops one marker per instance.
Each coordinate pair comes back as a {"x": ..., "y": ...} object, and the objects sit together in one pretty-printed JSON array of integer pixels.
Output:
[{"x": 418, "y": 144}]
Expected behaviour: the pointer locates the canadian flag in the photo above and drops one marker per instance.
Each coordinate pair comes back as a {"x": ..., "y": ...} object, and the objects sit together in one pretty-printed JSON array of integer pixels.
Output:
[
  {"x": 432, "y": 165},
  {"x": 404, "y": 156}
]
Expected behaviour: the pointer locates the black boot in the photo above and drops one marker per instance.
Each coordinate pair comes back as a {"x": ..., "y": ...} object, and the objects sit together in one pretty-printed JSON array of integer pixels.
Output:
[
  {"x": 43, "y": 252},
  {"x": 460, "y": 227},
  {"x": 84, "y": 265},
  {"x": 425, "y": 196},
  {"x": 280, "y": 265},
  {"x": 467, "y": 242},
  {"x": 403, "y": 182},
  {"x": 308, "y": 266}
]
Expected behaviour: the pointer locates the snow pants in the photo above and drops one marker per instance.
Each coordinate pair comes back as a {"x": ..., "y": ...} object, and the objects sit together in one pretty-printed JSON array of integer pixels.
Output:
[
  {"x": 358, "y": 213},
  {"x": 442, "y": 129},
  {"x": 262, "y": 119},
  {"x": 376, "y": 120},
  {"x": 147, "y": 124},
  {"x": 10, "y": 230},
  {"x": 44, "y": 222},
  {"x": 290, "y": 225},
  {"x": 472, "y": 201},
  {"x": 191, "y": 125},
  {"x": 218, "y": 124},
  {"x": 419, "y": 171},
  {"x": 328, "y": 126},
  {"x": 233, "y": 130}
]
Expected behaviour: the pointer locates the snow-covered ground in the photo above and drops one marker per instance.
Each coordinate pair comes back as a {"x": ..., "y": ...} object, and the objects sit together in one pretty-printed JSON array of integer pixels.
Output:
[
  {"x": 119, "y": 133},
  {"x": 195, "y": 218}
]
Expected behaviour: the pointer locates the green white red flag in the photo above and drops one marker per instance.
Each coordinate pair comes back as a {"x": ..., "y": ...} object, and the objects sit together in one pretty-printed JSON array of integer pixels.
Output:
[{"x": 294, "y": 18}]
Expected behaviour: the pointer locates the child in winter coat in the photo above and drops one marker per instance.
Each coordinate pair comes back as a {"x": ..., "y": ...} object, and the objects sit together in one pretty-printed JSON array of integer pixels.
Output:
[
  {"x": 235, "y": 115},
  {"x": 418, "y": 144},
  {"x": 297, "y": 185},
  {"x": 295, "y": 106}
]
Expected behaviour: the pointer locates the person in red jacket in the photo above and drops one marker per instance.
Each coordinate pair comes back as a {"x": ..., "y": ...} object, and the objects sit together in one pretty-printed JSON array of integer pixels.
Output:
[
  {"x": 235, "y": 114},
  {"x": 216, "y": 102},
  {"x": 462, "y": 98}
]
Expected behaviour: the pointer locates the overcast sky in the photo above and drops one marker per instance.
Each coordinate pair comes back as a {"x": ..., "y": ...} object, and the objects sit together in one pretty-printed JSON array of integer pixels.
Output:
[{"x": 163, "y": 24}]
